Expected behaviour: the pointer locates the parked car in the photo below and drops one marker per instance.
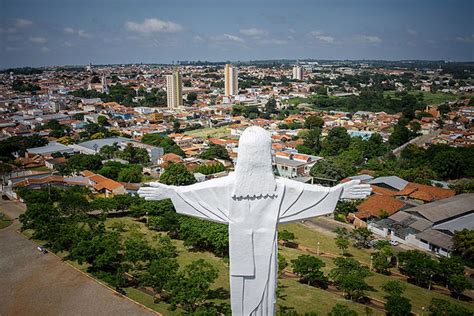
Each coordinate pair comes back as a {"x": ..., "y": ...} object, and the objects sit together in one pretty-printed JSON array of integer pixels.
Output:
[
  {"x": 42, "y": 249},
  {"x": 393, "y": 242}
]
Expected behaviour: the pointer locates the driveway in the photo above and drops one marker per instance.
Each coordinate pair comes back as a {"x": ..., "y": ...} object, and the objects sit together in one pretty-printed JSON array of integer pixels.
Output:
[{"x": 32, "y": 283}]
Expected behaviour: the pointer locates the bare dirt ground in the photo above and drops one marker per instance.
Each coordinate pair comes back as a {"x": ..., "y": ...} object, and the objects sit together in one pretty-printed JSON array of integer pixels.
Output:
[{"x": 32, "y": 283}]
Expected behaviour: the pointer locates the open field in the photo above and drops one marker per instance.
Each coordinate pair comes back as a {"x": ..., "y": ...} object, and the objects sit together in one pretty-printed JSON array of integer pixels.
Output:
[
  {"x": 428, "y": 97},
  {"x": 222, "y": 131}
]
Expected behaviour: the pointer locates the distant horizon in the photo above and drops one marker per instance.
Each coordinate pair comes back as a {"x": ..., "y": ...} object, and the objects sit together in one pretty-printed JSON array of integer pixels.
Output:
[{"x": 250, "y": 61}]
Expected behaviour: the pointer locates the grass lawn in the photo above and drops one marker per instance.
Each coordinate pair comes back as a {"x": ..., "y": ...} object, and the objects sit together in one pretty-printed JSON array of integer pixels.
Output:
[
  {"x": 147, "y": 300},
  {"x": 40, "y": 169},
  {"x": 298, "y": 100},
  {"x": 301, "y": 297},
  {"x": 309, "y": 238},
  {"x": 218, "y": 132},
  {"x": 428, "y": 97},
  {"x": 5, "y": 221}
]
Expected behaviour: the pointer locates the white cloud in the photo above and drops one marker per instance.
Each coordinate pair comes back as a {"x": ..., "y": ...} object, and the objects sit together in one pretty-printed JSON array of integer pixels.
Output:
[
  {"x": 153, "y": 26},
  {"x": 83, "y": 33},
  {"x": 412, "y": 32},
  {"x": 319, "y": 35},
  {"x": 45, "y": 49},
  {"x": 254, "y": 32},
  {"x": 9, "y": 30},
  {"x": 274, "y": 41},
  {"x": 68, "y": 44},
  {"x": 80, "y": 33},
  {"x": 38, "y": 40},
  {"x": 69, "y": 30},
  {"x": 371, "y": 39},
  {"x": 227, "y": 38},
  {"x": 198, "y": 39},
  {"x": 23, "y": 23},
  {"x": 465, "y": 39}
]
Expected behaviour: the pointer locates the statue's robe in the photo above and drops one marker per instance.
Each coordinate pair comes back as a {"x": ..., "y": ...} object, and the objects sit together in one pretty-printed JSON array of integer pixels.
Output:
[{"x": 252, "y": 231}]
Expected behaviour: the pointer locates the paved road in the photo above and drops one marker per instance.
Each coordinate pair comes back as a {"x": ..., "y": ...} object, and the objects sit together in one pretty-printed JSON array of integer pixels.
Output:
[{"x": 32, "y": 283}]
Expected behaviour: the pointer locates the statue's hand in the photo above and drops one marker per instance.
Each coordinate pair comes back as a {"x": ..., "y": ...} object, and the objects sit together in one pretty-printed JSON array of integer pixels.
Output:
[
  {"x": 155, "y": 191},
  {"x": 354, "y": 190}
]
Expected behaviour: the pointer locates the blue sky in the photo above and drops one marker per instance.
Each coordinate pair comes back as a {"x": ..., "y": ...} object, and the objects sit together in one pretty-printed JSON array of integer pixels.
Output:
[{"x": 53, "y": 32}]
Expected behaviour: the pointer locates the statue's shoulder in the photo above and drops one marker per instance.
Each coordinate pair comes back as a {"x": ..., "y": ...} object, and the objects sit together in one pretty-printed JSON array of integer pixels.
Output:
[{"x": 289, "y": 184}]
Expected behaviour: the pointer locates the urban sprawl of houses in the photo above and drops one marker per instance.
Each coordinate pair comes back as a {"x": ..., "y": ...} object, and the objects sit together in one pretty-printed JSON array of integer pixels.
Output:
[{"x": 89, "y": 110}]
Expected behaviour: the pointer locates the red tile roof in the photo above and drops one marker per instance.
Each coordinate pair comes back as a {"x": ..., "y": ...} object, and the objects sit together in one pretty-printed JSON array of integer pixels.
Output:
[
  {"x": 376, "y": 205},
  {"x": 425, "y": 193}
]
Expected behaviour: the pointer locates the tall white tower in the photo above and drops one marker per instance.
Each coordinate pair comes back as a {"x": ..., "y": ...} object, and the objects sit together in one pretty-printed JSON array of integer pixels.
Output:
[
  {"x": 174, "y": 90},
  {"x": 231, "y": 80},
  {"x": 298, "y": 72},
  {"x": 105, "y": 89}
]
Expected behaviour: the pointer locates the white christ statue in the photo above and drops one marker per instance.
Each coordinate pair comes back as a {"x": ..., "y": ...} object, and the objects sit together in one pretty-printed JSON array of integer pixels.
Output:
[{"x": 252, "y": 201}]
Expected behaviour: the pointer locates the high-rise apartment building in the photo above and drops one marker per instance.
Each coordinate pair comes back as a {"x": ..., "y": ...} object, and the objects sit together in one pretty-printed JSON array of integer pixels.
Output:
[
  {"x": 174, "y": 90},
  {"x": 231, "y": 80},
  {"x": 297, "y": 72}
]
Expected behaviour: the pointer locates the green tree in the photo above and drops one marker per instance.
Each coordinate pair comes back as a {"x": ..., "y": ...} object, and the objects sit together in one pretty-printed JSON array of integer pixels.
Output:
[
  {"x": 81, "y": 162},
  {"x": 458, "y": 283},
  {"x": 440, "y": 307},
  {"x": 448, "y": 164},
  {"x": 393, "y": 288},
  {"x": 337, "y": 140},
  {"x": 362, "y": 237},
  {"x": 381, "y": 258},
  {"x": 400, "y": 136},
  {"x": 103, "y": 121},
  {"x": 132, "y": 174},
  {"x": 308, "y": 268},
  {"x": 168, "y": 145},
  {"x": 134, "y": 154},
  {"x": 190, "y": 288},
  {"x": 215, "y": 152},
  {"x": 286, "y": 236},
  {"x": 177, "y": 174},
  {"x": 191, "y": 97},
  {"x": 160, "y": 273},
  {"x": 463, "y": 242},
  {"x": 349, "y": 275},
  {"x": 313, "y": 121},
  {"x": 270, "y": 106},
  {"x": 204, "y": 235},
  {"x": 312, "y": 142},
  {"x": 418, "y": 266},
  {"x": 329, "y": 168},
  {"x": 176, "y": 126},
  {"x": 342, "y": 243},
  {"x": 342, "y": 310},
  {"x": 449, "y": 266},
  {"x": 397, "y": 306}
]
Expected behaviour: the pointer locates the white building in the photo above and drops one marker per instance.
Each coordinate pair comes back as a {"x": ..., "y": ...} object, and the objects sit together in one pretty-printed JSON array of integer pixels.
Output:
[
  {"x": 144, "y": 110},
  {"x": 298, "y": 72},
  {"x": 231, "y": 80},
  {"x": 174, "y": 90}
]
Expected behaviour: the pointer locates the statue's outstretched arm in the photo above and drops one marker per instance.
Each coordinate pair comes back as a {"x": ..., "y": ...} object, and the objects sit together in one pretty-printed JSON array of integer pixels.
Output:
[
  {"x": 354, "y": 190},
  {"x": 308, "y": 200},
  {"x": 205, "y": 200},
  {"x": 157, "y": 191}
]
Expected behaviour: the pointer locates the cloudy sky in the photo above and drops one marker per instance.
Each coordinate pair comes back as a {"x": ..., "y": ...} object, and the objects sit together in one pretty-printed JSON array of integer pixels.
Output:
[{"x": 59, "y": 32}]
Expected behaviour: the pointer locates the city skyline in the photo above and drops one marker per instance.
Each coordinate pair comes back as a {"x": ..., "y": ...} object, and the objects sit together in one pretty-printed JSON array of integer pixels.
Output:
[{"x": 106, "y": 32}]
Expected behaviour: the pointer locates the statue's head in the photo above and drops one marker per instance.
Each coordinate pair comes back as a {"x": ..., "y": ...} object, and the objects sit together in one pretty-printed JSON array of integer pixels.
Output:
[{"x": 254, "y": 173}]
